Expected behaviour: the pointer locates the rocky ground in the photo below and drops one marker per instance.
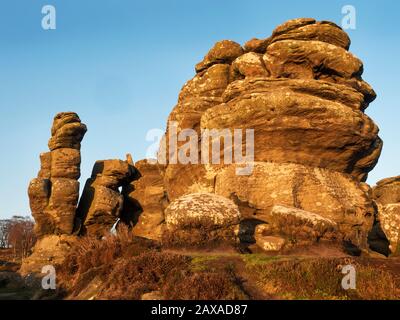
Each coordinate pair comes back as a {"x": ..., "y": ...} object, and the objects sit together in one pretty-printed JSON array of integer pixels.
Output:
[{"x": 12, "y": 285}]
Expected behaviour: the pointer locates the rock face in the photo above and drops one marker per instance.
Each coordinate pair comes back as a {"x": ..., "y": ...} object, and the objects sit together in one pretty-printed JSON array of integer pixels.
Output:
[
  {"x": 49, "y": 250},
  {"x": 387, "y": 196},
  {"x": 101, "y": 203},
  {"x": 201, "y": 215},
  {"x": 387, "y": 191},
  {"x": 298, "y": 99},
  {"x": 53, "y": 195},
  {"x": 301, "y": 92},
  {"x": 330, "y": 194},
  {"x": 145, "y": 200},
  {"x": 299, "y": 225}
]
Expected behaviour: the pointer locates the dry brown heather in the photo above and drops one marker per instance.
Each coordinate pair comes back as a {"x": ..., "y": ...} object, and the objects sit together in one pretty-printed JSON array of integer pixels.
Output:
[{"x": 124, "y": 267}]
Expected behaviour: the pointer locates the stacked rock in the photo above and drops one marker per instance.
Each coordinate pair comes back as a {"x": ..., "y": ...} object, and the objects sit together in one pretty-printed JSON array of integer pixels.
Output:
[
  {"x": 387, "y": 197},
  {"x": 301, "y": 92},
  {"x": 145, "y": 201},
  {"x": 101, "y": 203},
  {"x": 54, "y": 194},
  {"x": 202, "y": 92}
]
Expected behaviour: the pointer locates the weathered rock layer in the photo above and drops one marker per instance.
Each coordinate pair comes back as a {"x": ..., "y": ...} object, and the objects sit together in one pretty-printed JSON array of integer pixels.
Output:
[
  {"x": 387, "y": 197},
  {"x": 101, "y": 203},
  {"x": 54, "y": 194},
  {"x": 301, "y": 92}
]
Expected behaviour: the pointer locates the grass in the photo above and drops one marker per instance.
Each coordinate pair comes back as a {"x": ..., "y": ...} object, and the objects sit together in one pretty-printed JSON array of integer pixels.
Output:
[
  {"x": 127, "y": 267},
  {"x": 202, "y": 263},
  {"x": 320, "y": 278},
  {"x": 259, "y": 259}
]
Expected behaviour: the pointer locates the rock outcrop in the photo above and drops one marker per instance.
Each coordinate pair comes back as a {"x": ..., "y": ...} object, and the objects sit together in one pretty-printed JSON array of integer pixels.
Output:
[
  {"x": 49, "y": 250},
  {"x": 101, "y": 203},
  {"x": 297, "y": 100},
  {"x": 302, "y": 93},
  {"x": 387, "y": 197},
  {"x": 201, "y": 219},
  {"x": 145, "y": 201},
  {"x": 54, "y": 194}
]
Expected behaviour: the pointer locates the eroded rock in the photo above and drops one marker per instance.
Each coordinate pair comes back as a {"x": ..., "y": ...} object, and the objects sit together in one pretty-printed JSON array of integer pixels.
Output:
[
  {"x": 101, "y": 203},
  {"x": 202, "y": 218},
  {"x": 54, "y": 194},
  {"x": 145, "y": 201},
  {"x": 302, "y": 93}
]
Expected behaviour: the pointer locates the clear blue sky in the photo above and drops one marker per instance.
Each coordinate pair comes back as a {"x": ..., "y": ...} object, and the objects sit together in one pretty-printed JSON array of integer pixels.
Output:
[{"x": 120, "y": 65}]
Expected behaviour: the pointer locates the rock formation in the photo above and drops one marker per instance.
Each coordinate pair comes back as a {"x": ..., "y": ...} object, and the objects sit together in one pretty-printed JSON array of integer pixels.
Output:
[
  {"x": 300, "y": 95},
  {"x": 101, "y": 203},
  {"x": 54, "y": 194},
  {"x": 301, "y": 91},
  {"x": 387, "y": 197},
  {"x": 145, "y": 200},
  {"x": 201, "y": 219}
]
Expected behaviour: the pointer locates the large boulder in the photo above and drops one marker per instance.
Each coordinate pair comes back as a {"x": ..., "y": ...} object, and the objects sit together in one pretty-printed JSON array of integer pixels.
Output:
[
  {"x": 145, "y": 201},
  {"x": 248, "y": 65},
  {"x": 387, "y": 191},
  {"x": 332, "y": 195},
  {"x": 224, "y": 51},
  {"x": 101, "y": 202},
  {"x": 307, "y": 122},
  {"x": 65, "y": 163},
  {"x": 318, "y": 30},
  {"x": 301, "y": 92},
  {"x": 39, "y": 194},
  {"x": 49, "y": 250},
  {"x": 62, "y": 204},
  {"x": 389, "y": 219},
  {"x": 299, "y": 225},
  {"x": 202, "y": 218},
  {"x": 385, "y": 235},
  {"x": 68, "y": 136}
]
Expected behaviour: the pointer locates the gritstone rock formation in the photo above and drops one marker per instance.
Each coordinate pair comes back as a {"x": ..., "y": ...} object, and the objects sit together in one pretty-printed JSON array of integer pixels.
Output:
[
  {"x": 145, "y": 200},
  {"x": 201, "y": 218},
  {"x": 101, "y": 203},
  {"x": 301, "y": 91},
  {"x": 54, "y": 194},
  {"x": 387, "y": 197}
]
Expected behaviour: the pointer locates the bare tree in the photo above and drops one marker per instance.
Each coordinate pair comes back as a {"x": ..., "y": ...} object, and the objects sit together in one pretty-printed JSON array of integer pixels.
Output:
[
  {"x": 20, "y": 235},
  {"x": 4, "y": 228}
]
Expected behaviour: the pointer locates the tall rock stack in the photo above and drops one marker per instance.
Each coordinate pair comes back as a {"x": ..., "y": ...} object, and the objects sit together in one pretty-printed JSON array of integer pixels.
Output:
[
  {"x": 301, "y": 91},
  {"x": 101, "y": 203},
  {"x": 54, "y": 194},
  {"x": 387, "y": 197}
]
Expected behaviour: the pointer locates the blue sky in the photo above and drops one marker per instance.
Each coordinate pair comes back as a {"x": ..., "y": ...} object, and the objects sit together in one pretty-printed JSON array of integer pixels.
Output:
[{"x": 120, "y": 65}]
